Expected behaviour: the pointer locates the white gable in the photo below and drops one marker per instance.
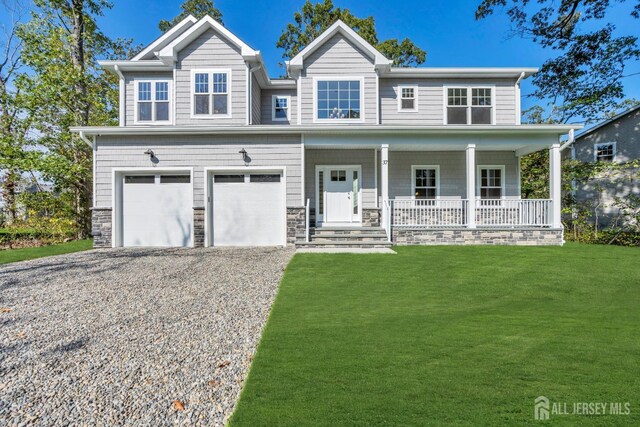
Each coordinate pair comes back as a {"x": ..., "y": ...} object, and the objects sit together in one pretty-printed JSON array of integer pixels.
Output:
[{"x": 165, "y": 39}]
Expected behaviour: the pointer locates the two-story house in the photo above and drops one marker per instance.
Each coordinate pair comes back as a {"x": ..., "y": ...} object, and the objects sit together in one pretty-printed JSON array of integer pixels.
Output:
[{"x": 347, "y": 150}]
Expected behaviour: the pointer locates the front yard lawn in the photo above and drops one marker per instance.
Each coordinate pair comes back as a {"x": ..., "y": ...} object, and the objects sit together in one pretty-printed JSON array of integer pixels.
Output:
[
  {"x": 449, "y": 335},
  {"x": 14, "y": 255}
]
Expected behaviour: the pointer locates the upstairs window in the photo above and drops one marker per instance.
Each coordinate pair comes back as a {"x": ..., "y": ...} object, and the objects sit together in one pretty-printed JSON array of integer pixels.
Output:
[
  {"x": 338, "y": 100},
  {"x": 280, "y": 108},
  {"x": 407, "y": 100},
  {"x": 425, "y": 182},
  {"x": 211, "y": 93},
  {"x": 604, "y": 152},
  {"x": 469, "y": 105},
  {"x": 152, "y": 101},
  {"x": 491, "y": 182}
]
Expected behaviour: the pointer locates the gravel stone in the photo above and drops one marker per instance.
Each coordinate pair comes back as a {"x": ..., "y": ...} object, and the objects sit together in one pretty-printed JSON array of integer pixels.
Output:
[{"x": 114, "y": 337}]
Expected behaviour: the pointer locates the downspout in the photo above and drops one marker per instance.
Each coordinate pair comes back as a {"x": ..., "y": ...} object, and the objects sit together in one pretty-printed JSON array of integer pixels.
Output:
[
  {"x": 570, "y": 141},
  {"x": 518, "y": 99},
  {"x": 250, "y": 94},
  {"x": 122, "y": 96}
]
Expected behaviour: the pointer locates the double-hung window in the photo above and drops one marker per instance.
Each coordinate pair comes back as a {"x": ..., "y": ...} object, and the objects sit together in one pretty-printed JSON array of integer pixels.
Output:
[
  {"x": 604, "y": 152},
  {"x": 425, "y": 182},
  {"x": 408, "y": 99},
  {"x": 338, "y": 99},
  {"x": 152, "y": 101},
  {"x": 469, "y": 105},
  {"x": 491, "y": 182},
  {"x": 280, "y": 107},
  {"x": 211, "y": 89}
]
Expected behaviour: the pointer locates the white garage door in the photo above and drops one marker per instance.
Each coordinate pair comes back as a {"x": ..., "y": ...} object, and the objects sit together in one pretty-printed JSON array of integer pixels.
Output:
[
  {"x": 157, "y": 210},
  {"x": 248, "y": 209}
]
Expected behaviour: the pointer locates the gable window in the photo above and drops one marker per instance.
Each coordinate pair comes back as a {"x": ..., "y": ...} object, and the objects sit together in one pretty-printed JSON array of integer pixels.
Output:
[
  {"x": 407, "y": 101},
  {"x": 425, "y": 182},
  {"x": 280, "y": 106},
  {"x": 491, "y": 182},
  {"x": 605, "y": 152},
  {"x": 152, "y": 101},
  {"x": 338, "y": 100},
  {"x": 211, "y": 89},
  {"x": 469, "y": 105}
]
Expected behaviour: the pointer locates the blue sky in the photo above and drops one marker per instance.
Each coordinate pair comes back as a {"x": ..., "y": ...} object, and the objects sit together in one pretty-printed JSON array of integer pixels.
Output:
[{"x": 446, "y": 29}]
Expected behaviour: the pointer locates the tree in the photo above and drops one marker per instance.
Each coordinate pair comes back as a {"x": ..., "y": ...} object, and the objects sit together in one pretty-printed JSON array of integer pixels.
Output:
[
  {"x": 584, "y": 79},
  {"x": 197, "y": 8},
  {"x": 13, "y": 125},
  {"x": 313, "y": 19},
  {"x": 64, "y": 88}
]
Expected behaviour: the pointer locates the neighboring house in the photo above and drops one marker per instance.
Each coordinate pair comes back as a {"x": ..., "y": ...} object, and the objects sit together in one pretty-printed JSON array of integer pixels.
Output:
[
  {"x": 211, "y": 151},
  {"x": 615, "y": 140}
]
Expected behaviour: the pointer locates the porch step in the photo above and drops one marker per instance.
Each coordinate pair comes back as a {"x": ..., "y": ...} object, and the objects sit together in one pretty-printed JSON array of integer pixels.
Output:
[{"x": 349, "y": 237}]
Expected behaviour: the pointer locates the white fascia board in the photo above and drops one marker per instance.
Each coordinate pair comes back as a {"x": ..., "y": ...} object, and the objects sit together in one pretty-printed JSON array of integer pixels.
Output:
[
  {"x": 166, "y": 38},
  {"x": 460, "y": 72},
  {"x": 329, "y": 129},
  {"x": 170, "y": 52},
  {"x": 134, "y": 66},
  {"x": 339, "y": 27}
]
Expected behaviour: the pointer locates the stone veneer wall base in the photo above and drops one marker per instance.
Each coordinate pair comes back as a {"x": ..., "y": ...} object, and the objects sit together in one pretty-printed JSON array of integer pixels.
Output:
[
  {"x": 295, "y": 223},
  {"x": 478, "y": 236},
  {"x": 198, "y": 227},
  {"x": 101, "y": 227}
]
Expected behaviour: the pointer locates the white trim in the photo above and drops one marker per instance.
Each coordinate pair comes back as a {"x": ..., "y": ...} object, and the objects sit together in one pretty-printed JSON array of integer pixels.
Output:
[
  {"x": 460, "y": 72},
  {"x": 153, "y": 80},
  {"x": 518, "y": 96},
  {"x": 519, "y": 176},
  {"x": 273, "y": 108},
  {"x": 93, "y": 174},
  {"x": 299, "y": 99},
  {"x": 380, "y": 61},
  {"x": 116, "y": 196},
  {"x": 209, "y": 170},
  {"x": 377, "y": 98},
  {"x": 598, "y": 144},
  {"x": 415, "y": 98},
  {"x": 324, "y": 169},
  {"x": 413, "y": 179},
  {"x": 210, "y": 72},
  {"x": 248, "y": 93},
  {"x": 169, "y": 54},
  {"x": 375, "y": 176},
  {"x": 469, "y": 87},
  {"x": 303, "y": 165},
  {"x": 503, "y": 180},
  {"x": 170, "y": 33},
  {"x": 318, "y": 78}
]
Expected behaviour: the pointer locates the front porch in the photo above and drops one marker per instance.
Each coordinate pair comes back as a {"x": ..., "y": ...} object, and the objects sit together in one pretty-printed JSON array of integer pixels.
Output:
[{"x": 424, "y": 194}]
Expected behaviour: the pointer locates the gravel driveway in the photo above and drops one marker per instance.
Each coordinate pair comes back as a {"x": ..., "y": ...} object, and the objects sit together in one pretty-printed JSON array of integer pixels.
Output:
[{"x": 118, "y": 336}]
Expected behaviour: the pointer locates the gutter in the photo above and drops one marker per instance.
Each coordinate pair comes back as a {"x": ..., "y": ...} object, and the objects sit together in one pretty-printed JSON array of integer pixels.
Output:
[
  {"x": 83, "y": 137},
  {"x": 570, "y": 141},
  {"x": 122, "y": 99}
]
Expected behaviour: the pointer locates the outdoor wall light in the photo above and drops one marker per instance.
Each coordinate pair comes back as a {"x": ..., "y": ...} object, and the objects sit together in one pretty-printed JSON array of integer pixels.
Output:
[
  {"x": 150, "y": 153},
  {"x": 244, "y": 154}
]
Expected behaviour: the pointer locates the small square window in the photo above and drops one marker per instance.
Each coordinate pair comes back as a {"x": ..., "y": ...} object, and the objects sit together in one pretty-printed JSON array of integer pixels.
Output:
[
  {"x": 605, "y": 152},
  {"x": 407, "y": 98},
  {"x": 280, "y": 111}
]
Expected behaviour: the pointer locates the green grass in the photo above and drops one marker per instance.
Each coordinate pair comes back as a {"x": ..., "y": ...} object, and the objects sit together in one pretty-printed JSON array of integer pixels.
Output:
[
  {"x": 14, "y": 255},
  {"x": 449, "y": 336}
]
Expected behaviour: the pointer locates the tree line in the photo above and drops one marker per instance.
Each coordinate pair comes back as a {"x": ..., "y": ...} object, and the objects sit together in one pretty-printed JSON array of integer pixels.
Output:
[{"x": 50, "y": 81}]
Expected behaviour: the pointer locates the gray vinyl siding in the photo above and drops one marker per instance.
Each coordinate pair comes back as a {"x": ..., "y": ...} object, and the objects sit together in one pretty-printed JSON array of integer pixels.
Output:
[
  {"x": 267, "y": 96},
  {"x": 339, "y": 57},
  {"x": 129, "y": 90},
  {"x": 431, "y": 100},
  {"x": 197, "y": 152},
  {"x": 211, "y": 51},
  {"x": 256, "y": 102},
  {"x": 365, "y": 158},
  {"x": 453, "y": 173}
]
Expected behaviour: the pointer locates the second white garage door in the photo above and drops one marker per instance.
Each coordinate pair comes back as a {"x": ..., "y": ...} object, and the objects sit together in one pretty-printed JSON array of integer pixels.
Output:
[{"x": 248, "y": 209}]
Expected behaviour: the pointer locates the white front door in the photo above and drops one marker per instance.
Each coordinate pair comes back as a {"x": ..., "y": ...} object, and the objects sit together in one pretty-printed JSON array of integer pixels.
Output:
[{"x": 341, "y": 195}]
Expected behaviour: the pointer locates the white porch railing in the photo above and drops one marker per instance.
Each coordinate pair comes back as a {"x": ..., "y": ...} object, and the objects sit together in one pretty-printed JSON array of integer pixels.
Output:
[
  {"x": 306, "y": 221},
  {"x": 429, "y": 213},
  {"x": 387, "y": 218},
  {"x": 509, "y": 213},
  {"x": 441, "y": 213}
]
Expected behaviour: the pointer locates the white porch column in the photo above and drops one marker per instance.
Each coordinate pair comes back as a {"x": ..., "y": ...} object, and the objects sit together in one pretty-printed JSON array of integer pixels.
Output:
[
  {"x": 471, "y": 186},
  {"x": 555, "y": 186},
  {"x": 384, "y": 178}
]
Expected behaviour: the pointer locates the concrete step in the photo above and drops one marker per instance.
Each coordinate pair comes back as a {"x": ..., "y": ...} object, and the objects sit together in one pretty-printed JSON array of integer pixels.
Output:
[
  {"x": 349, "y": 237},
  {"x": 343, "y": 244},
  {"x": 346, "y": 230}
]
